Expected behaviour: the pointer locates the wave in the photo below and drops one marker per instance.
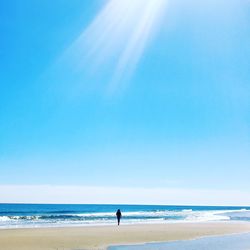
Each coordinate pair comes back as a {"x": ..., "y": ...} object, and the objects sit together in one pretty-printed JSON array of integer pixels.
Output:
[
  {"x": 187, "y": 214},
  {"x": 243, "y": 215},
  {"x": 98, "y": 218}
]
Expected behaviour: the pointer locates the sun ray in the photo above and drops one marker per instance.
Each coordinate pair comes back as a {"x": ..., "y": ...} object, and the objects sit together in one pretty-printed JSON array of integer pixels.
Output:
[{"x": 117, "y": 37}]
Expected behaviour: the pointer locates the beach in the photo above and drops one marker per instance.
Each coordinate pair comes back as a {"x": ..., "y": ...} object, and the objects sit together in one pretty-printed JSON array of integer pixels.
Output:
[{"x": 100, "y": 237}]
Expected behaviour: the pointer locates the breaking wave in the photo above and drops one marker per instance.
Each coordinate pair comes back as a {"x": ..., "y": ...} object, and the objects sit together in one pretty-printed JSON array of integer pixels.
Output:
[{"x": 71, "y": 217}]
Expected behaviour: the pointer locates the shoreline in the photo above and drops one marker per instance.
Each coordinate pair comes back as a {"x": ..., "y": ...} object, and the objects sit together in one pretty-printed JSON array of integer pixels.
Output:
[
  {"x": 102, "y": 237},
  {"x": 123, "y": 224}
]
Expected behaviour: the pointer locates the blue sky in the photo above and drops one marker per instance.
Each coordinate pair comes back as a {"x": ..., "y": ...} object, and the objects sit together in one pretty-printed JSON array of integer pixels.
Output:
[{"x": 123, "y": 94}]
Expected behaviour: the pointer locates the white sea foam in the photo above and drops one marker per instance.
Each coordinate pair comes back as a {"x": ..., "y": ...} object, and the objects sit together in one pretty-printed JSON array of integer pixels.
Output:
[
  {"x": 206, "y": 216},
  {"x": 4, "y": 218},
  {"x": 187, "y": 210}
]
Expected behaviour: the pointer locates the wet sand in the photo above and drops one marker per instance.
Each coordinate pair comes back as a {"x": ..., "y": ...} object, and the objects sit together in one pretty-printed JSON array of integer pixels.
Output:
[{"x": 100, "y": 237}]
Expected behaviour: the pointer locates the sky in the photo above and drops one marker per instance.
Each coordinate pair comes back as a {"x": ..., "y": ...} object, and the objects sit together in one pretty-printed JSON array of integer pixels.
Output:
[{"x": 126, "y": 100}]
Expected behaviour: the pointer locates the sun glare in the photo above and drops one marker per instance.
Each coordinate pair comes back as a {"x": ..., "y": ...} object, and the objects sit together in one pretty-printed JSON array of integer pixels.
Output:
[{"x": 117, "y": 36}]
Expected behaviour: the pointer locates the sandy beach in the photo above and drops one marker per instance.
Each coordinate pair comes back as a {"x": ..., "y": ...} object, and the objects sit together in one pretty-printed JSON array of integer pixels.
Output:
[{"x": 100, "y": 237}]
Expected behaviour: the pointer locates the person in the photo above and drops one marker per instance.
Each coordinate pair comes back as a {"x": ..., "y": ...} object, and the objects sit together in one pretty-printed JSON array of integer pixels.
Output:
[{"x": 118, "y": 216}]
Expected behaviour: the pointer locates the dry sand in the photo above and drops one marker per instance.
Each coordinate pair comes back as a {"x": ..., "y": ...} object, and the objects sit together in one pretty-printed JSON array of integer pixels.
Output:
[{"x": 102, "y": 236}]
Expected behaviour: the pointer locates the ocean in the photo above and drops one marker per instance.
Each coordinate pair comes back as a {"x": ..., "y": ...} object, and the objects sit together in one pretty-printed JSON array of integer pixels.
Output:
[{"x": 60, "y": 215}]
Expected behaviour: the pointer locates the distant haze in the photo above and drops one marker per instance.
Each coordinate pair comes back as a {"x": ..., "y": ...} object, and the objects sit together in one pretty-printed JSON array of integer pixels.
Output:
[{"x": 117, "y": 195}]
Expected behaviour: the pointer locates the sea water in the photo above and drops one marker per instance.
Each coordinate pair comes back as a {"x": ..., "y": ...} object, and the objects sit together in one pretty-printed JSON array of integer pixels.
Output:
[
  {"x": 229, "y": 242},
  {"x": 49, "y": 215}
]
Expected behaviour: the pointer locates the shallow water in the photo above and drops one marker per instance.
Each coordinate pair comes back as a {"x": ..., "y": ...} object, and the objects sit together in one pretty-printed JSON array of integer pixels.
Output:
[{"x": 229, "y": 242}]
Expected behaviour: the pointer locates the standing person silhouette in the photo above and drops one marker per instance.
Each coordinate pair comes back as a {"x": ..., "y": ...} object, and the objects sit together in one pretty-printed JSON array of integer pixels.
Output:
[{"x": 118, "y": 216}]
